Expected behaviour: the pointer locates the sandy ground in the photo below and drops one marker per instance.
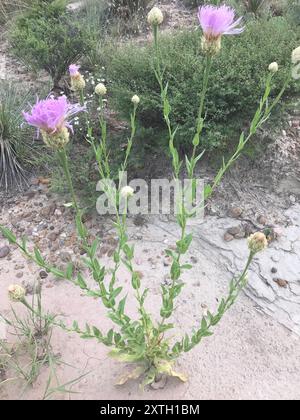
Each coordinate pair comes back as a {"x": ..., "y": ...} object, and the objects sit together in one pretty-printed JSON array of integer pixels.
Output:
[{"x": 250, "y": 356}]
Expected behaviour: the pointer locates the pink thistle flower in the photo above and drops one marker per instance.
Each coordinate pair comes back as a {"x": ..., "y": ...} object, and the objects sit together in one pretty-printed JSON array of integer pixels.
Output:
[
  {"x": 51, "y": 115},
  {"x": 73, "y": 70},
  {"x": 77, "y": 80},
  {"x": 217, "y": 21}
]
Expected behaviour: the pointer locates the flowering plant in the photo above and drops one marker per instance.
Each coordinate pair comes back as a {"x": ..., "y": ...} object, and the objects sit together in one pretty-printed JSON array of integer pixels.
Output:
[{"x": 145, "y": 341}]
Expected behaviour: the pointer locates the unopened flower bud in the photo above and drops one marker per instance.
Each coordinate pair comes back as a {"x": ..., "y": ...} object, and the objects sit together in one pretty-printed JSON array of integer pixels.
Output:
[
  {"x": 16, "y": 292},
  {"x": 100, "y": 89},
  {"x": 127, "y": 192},
  {"x": 56, "y": 140},
  {"x": 257, "y": 242},
  {"x": 296, "y": 56},
  {"x": 77, "y": 83},
  {"x": 273, "y": 67},
  {"x": 155, "y": 16},
  {"x": 211, "y": 46},
  {"x": 135, "y": 100}
]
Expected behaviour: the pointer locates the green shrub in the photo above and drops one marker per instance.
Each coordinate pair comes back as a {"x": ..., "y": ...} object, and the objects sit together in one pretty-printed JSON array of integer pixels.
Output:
[
  {"x": 235, "y": 83},
  {"x": 46, "y": 38}
]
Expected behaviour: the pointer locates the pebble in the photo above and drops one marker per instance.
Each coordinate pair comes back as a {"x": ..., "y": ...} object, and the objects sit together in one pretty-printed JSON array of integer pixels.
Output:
[
  {"x": 234, "y": 230},
  {"x": 65, "y": 256},
  {"x": 48, "y": 211},
  {"x": 282, "y": 283},
  {"x": 4, "y": 251},
  {"x": 52, "y": 236},
  {"x": 235, "y": 212},
  {"x": 262, "y": 220},
  {"x": 43, "y": 274},
  {"x": 19, "y": 266},
  {"x": 228, "y": 237}
]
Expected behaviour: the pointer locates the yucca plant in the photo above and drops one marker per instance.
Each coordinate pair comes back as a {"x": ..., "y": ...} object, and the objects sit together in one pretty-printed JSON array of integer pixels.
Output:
[
  {"x": 12, "y": 147},
  {"x": 7, "y": 7}
]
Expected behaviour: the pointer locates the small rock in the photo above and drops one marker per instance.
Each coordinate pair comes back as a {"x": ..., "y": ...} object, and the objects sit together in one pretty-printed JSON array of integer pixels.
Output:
[
  {"x": 54, "y": 246},
  {"x": 4, "y": 251},
  {"x": 65, "y": 256},
  {"x": 52, "y": 236},
  {"x": 194, "y": 260},
  {"x": 19, "y": 266},
  {"x": 228, "y": 237},
  {"x": 273, "y": 270},
  {"x": 235, "y": 212},
  {"x": 234, "y": 230},
  {"x": 48, "y": 211},
  {"x": 20, "y": 274},
  {"x": 262, "y": 220},
  {"x": 43, "y": 274},
  {"x": 282, "y": 283}
]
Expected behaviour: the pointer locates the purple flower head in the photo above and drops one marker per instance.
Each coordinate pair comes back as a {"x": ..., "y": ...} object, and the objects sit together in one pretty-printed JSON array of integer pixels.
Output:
[
  {"x": 73, "y": 70},
  {"x": 217, "y": 21},
  {"x": 51, "y": 115}
]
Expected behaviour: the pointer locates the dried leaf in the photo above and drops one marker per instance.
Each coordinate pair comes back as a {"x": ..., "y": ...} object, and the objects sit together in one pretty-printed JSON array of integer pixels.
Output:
[
  {"x": 134, "y": 374},
  {"x": 166, "y": 368}
]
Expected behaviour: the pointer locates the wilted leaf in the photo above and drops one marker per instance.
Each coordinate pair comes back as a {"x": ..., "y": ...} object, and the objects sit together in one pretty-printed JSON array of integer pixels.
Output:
[
  {"x": 134, "y": 374},
  {"x": 167, "y": 368}
]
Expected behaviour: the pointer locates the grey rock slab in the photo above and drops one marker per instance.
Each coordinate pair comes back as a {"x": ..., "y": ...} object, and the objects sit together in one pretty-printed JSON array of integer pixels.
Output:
[{"x": 282, "y": 304}]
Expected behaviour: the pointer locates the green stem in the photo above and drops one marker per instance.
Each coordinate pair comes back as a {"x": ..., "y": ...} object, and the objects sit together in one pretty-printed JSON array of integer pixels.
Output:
[
  {"x": 63, "y": 159},
  {"x": 207, "y": 69}
]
